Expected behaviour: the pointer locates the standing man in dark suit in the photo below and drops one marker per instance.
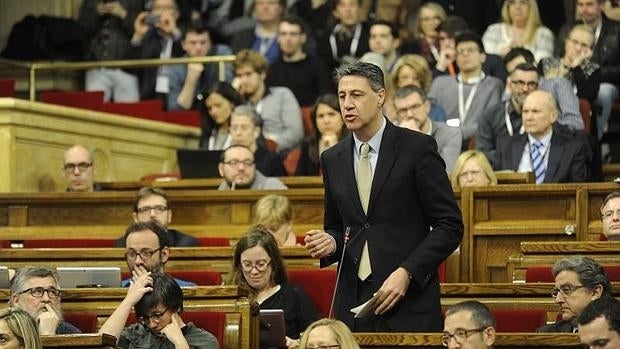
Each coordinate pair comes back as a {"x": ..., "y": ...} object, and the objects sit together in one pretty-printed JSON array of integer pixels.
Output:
[
  {"x": 554, "y": 156},
  {"x": 385, "y": 219}
]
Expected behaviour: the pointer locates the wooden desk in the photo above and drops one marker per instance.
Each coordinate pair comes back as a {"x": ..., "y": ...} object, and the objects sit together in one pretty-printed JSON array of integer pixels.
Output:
[
  {"x": 535, "y": 254},
  {"x": 79, "y": 341},
  {"x": 35, "y": 136},
  {"x": 296, "y": 182},
  {"x": 433, "y": 340},
  {"x": 181, "y": 258},
  {"x": 241, "y": 317}
]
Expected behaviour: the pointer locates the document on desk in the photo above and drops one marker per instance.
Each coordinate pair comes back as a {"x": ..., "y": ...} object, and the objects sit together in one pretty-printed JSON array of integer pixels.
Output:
[{"x": 362, "y": 310}]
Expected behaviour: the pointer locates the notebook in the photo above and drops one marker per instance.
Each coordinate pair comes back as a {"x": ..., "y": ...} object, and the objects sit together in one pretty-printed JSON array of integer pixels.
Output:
[
  {"x": 78, "y": 277},
  {"x": 272, "y": 330},
  {"x": 198, "y": 163}
]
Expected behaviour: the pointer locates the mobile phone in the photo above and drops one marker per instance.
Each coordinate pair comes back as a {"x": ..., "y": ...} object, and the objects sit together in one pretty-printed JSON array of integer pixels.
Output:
[{"x": 152, "y": 19}]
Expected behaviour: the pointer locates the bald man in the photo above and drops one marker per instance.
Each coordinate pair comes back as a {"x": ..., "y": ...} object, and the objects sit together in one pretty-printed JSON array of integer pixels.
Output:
[
  {"x": 554, "y": 157},
  {"x": 78, "y": 169}
]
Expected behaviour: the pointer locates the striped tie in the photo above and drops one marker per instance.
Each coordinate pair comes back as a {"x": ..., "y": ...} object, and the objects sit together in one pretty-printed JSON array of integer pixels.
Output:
[{"x": 537, "y": 162}]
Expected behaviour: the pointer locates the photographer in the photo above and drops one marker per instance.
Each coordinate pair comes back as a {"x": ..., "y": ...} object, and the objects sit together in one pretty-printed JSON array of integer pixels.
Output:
[{"x": 156, "y": 35}]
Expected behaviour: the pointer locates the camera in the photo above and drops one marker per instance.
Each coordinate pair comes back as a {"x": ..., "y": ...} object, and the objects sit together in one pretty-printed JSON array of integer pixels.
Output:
[{"x": 152, "y": 20}]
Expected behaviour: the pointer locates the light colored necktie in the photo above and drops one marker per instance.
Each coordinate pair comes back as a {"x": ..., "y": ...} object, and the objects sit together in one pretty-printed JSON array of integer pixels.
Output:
[
  {"x": 537, "y": 162},
  {"x": 364, "y": 182}
]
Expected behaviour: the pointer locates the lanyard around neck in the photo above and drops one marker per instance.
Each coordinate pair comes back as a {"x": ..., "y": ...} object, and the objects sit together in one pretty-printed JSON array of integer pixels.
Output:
[
  {"x": 354, "y": 41},
  {"x": 465, "y": 105}
]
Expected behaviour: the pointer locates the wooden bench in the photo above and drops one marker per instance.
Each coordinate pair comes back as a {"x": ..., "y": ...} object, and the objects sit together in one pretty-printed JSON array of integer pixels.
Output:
[
  {"x": 79, "y": 341},
  {"x": 536, "y": 254},
  {"x": 241, "y": 329},
  {"x": 503, "y": 340}
]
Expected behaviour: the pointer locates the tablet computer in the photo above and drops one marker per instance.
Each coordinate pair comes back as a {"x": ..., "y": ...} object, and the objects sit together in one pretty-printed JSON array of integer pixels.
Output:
[
  {"x": 272, "y": 329},
  {"x": 78, "y": 277},
  {"x": 5, "y": 281}
]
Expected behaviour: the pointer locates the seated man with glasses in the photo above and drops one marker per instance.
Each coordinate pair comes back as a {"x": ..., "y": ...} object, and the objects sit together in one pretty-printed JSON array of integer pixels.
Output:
[
  {"x": 151, "y": 204},
  {"x": 610, "y": 216},
  {"x": 578, "y": 281},
  {"x": 238, "y": 171},
  {"x": 35, "y": 290},
  {"x": 78, "y": 169},
  {"x": 468, "y": 325},
  {"x": 158, "y": 303},
  {"x": 413, "y": 108},
  {"x": 147, "y": 251}
]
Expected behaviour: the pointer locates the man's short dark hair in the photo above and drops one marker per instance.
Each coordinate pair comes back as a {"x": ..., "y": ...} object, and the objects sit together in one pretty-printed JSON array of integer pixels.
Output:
[
  {"x": 394, "y": 30},
  {"x": 589, "y": 272},
  {"x": 469, "y": 35},
  {"x": 453, "y": 25},
  {"x": 223, "y": 155},
  {"x": 371, "y": 72},
  {"x": 480, "y": 313},
  {"x": 519, "y": 52},
  {"x": 154, "y": 226},
  {"x": 409, "y": 89},
  {"x": 526, "y": 67},
  {"x": 196, "y": 28},
  {"x": 295, "y": 20},
  {"x": 607, "y": 307},
  {"x": 165, "y": 291},
  {"x": 146, "y": 192}
]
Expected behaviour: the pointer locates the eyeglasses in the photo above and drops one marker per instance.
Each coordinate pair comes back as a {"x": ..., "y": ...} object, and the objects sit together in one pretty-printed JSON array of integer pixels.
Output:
[
  {"x": 566, "y": 290},
  {"x": 518, "y": 2},
  {"x": 405, "y": 111},
  {"x": 467, "y": 50},
  {"x": 37, "y": 292},
  {"x": 609, "y": 214},
  {"x": 260, "y": 265},
  {"x": 147, "y": 209},
  {"x": 156, "y": 317},
  {"x": 469, "y": 173},
  {"x": 82, "y": 166},
  {"x": 144, "y": 254},
  {"x": 328, "y": 346},
  {"x": 460, "y": 335},
  {"x": 236, "y": 163},
  {"x": 530, "y": 84}
]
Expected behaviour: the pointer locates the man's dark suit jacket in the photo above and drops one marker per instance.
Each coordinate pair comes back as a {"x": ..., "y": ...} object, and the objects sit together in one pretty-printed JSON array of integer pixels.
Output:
[
  {"x": 564, "y": 326},
  {"x": 567, "y": 157},
  {"x": 410, "y": 194}
]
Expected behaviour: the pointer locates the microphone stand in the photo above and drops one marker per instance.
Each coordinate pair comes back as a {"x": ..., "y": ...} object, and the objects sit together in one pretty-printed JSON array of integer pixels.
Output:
[{"x": 344, "y": 248}]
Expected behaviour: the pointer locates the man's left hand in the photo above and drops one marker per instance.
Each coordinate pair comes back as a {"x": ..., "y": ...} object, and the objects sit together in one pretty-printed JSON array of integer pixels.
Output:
[{"x": 392, "y": 290}]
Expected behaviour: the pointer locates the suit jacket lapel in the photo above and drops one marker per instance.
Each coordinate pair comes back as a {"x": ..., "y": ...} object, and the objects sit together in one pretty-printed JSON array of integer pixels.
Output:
[
  {"x": 517, "y": 151},
  {"x": 555, "y": 154},
  {"x": 348, "y": 171},
  {"x": 387, "y": 156}
]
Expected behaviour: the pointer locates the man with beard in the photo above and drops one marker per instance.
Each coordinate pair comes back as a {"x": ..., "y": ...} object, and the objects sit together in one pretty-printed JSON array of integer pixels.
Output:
[
  {"x": 35, "y": 290},
  {"x": 238, "y": 169},
  {"x": 147, "y": 251}
]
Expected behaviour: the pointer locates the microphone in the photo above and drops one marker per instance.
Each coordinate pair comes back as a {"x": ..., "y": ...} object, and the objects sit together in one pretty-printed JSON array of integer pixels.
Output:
[{"x": 347, "y": 231}]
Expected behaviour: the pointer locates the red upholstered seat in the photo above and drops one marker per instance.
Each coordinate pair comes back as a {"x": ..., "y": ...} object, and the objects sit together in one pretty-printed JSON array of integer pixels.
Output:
[
  {"x": 186, "y": 118},
  {"x": 521, "y": 320},
  {"x": 539, "y": 274},
  {"x": 271, "y": 145},
  {"x": 85, "y": 321},
  {"x": 213, "y": 322},
  {"x": 7, "y": 87},
  {"x": 586, "y": 113},
  {"x": 149, "y": 109},
  {"x": 613, "y": 272},
  {"x": 214, "y": 242},
  {"x": 602, "y": 237},
  {"x": 92, "y": 100},
  {"x": 318, "y": 284},
  {"x": 155, "y": 177},
  {"x": 61, "y": 243},
  {"x": 199, "y": 277},
  {"x": 290, "y": 163},
  {"x": 306, "y": 117}
]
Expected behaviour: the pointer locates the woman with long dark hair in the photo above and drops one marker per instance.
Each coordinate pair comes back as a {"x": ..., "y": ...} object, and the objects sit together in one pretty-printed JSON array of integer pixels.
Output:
[{"x": 216, "y": 104}]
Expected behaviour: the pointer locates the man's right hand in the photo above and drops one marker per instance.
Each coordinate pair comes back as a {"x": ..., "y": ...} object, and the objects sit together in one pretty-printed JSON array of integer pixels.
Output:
[
  {"x": 138, "y": 271},
  {"x": 140, "y": 27},
  {"x": 138, "y": 288},
  {"x": 48, "y": 320},
  {"x": 194, "y": 70},
  {"x": 319, "y": 243}
]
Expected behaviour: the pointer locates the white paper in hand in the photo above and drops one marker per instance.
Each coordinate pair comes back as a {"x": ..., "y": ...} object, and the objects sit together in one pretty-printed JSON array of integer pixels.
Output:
[{"x": 362, "y": 310}]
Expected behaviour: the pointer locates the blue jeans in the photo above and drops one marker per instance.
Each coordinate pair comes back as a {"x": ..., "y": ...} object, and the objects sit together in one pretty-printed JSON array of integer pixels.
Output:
[{"x": 607, "y": 94}]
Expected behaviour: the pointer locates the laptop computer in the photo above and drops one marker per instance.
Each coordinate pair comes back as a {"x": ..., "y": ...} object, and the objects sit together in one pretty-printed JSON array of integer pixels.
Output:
[
  {"x": 78, "y": 277},
  {"x": 272, "y": 332},
  {"x": 198, "y": 163},
  {"x": 5, "y": 282}
]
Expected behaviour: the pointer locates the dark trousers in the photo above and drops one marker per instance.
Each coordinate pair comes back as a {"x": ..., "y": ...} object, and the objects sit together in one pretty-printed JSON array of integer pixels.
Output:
[{"x": 371, "y": 322}]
